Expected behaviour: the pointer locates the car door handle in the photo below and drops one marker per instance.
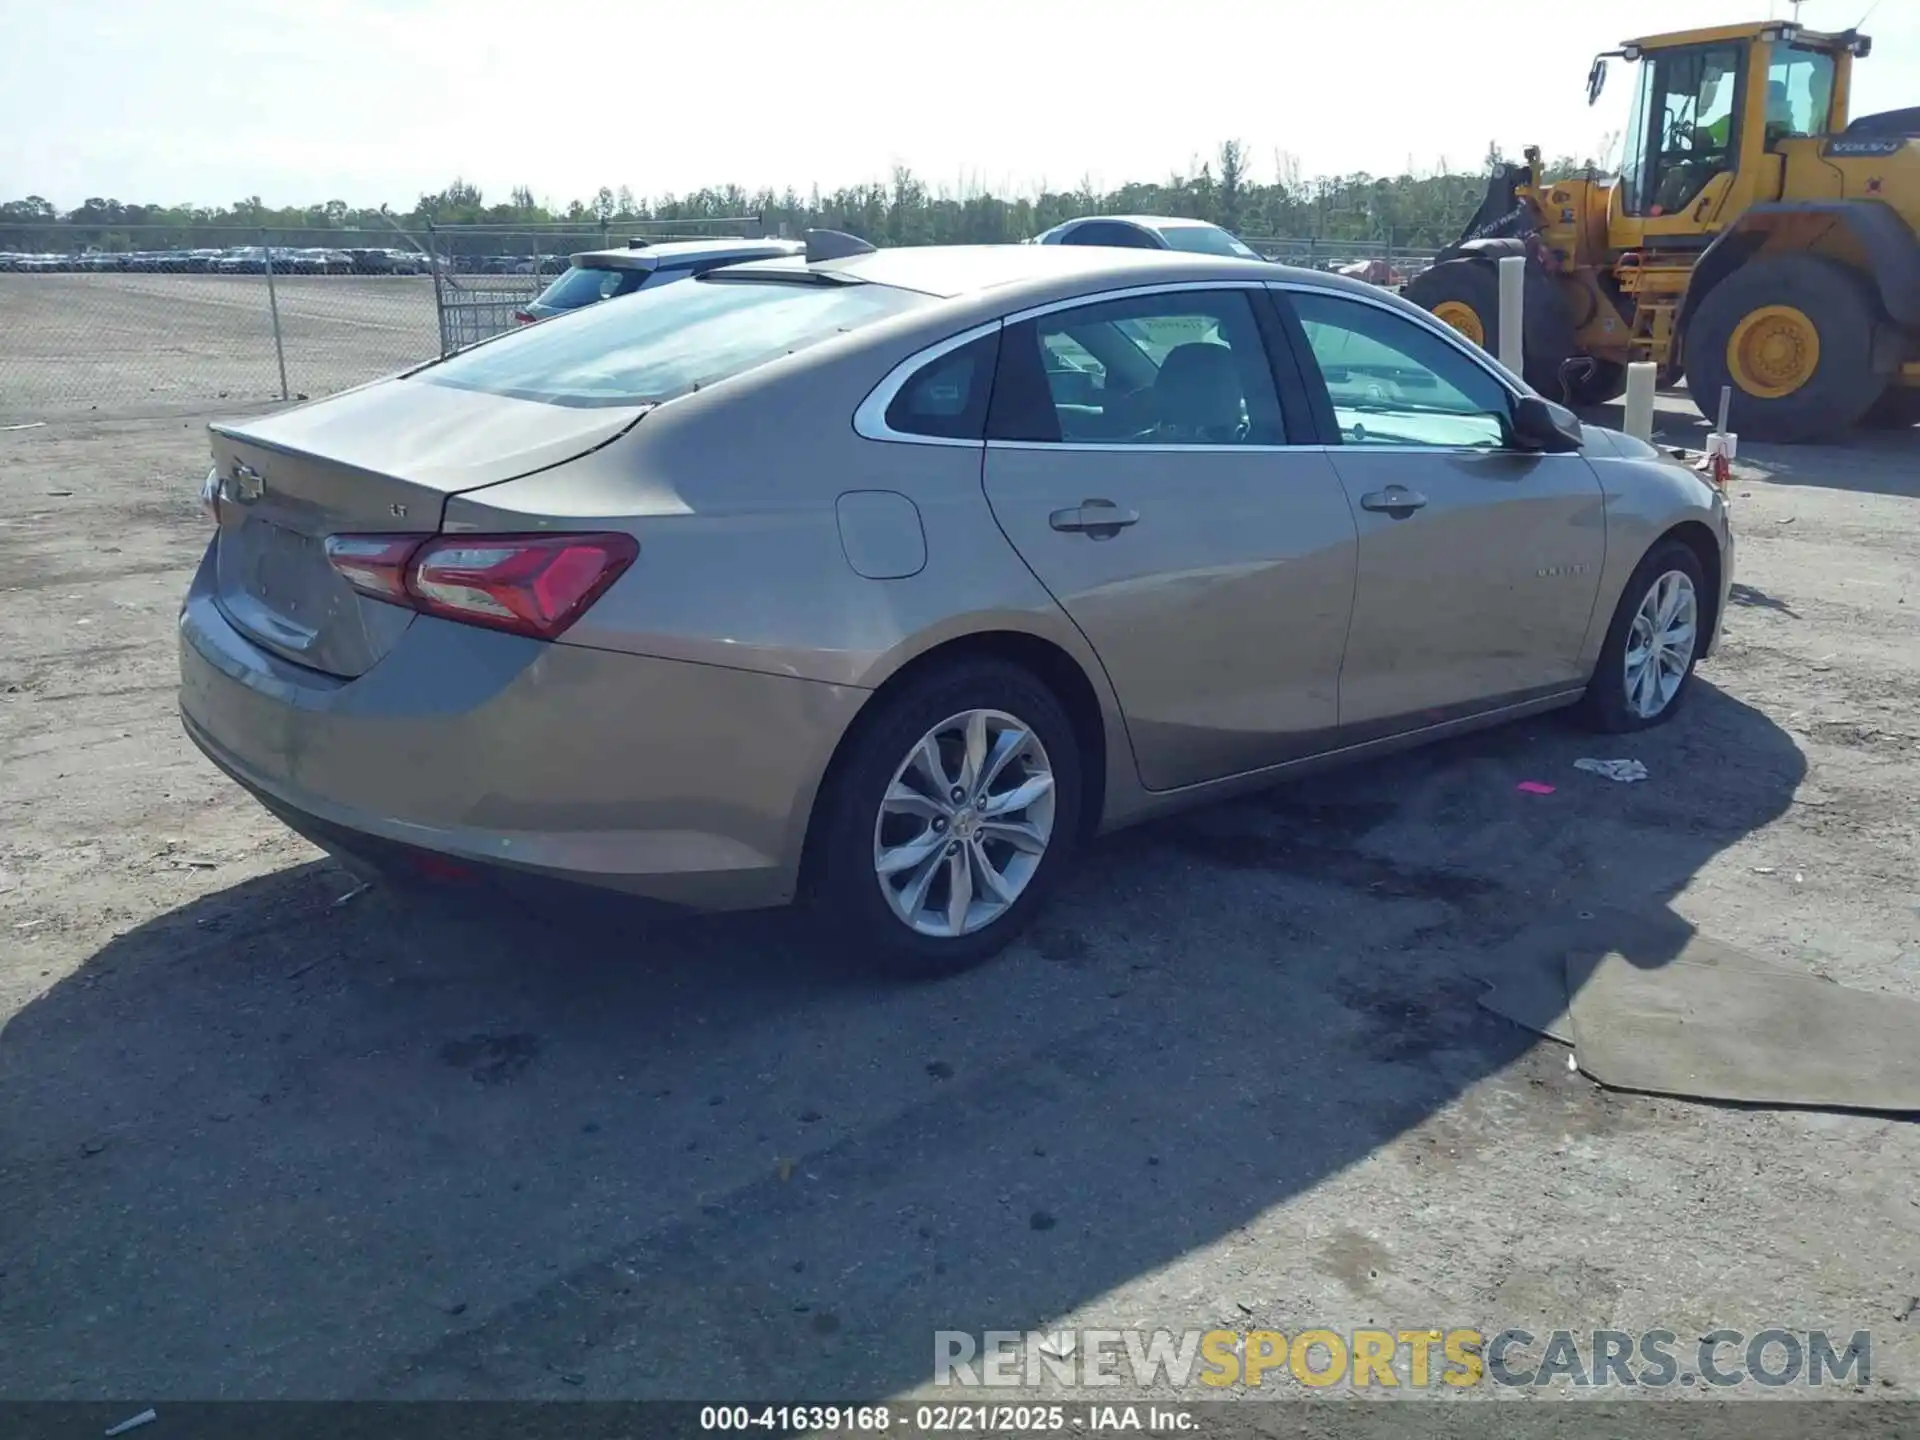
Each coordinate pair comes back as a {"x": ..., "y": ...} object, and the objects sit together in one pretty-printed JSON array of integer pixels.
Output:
[
  {"x": 1396, "y": 502},
  {"x": 1100, "y": 519}
]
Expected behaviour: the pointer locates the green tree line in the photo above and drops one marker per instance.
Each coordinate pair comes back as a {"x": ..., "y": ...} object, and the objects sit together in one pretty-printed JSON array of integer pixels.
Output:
[{"x": 1407, "y": 210}]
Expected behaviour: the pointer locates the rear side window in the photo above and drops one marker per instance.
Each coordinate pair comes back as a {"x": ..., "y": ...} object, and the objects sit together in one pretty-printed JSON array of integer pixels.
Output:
[
  {"x": 583, "y": 287},
  {"x": 1108, "y": 232},
  {"x": 1183, "y": 367},
  {"x": 666, "y": 342},
  {"x": 947, "y": 397}
]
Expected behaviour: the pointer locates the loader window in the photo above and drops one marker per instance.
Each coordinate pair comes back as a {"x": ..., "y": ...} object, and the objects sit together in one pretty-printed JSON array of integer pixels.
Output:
[
  {"x": 1799, "y": 93},
  {"x": 1684, "y": 129}
]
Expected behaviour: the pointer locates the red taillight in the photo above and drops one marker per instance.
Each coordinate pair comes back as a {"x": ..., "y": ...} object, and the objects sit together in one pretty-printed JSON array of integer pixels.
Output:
[
  {"x": 375, "y": 565},
  {"x": 521, "y": 317},
  {"x": 534, "y": 585}
]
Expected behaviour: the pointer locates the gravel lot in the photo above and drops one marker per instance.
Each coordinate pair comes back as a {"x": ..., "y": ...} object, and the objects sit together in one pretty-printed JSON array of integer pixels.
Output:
[
  {"x": 254, "y": 1143},
  {"x": 116, "y": 344}
]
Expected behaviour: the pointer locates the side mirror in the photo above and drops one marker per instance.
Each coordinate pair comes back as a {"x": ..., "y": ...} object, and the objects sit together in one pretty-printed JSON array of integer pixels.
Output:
[
  {"x": 1542, "y": 426},
  {"x": 1596, "y": 79}
]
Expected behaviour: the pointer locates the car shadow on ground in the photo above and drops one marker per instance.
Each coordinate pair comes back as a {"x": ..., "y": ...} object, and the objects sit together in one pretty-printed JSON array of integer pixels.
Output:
[{"x": 275, "y": 1145}]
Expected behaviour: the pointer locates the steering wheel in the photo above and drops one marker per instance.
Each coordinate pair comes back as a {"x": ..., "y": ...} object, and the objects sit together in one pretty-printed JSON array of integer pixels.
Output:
[{"x": 1156, "y": 435}]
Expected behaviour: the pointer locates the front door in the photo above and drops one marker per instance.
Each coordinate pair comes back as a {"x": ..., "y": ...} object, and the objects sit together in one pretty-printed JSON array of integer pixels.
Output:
[
  {"x": 1478, "y": 564},
  {"x": 1137, "y": 459}
]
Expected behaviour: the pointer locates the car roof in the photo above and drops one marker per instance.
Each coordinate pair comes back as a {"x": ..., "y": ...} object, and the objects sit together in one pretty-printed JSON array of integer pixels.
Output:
[
  {"x": 1150, "y": 222},
  {"x": 972, "y": 284},
  {"x": 670, "y": 253},
  {"x": 950, "y": 271}
]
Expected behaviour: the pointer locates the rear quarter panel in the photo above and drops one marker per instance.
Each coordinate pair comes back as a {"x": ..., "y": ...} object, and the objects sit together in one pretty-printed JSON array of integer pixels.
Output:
[{"x": 732, "y": 492}]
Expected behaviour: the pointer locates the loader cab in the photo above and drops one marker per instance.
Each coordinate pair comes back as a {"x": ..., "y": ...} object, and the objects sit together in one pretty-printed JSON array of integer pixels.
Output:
[{"x": 1710, "y": 112}]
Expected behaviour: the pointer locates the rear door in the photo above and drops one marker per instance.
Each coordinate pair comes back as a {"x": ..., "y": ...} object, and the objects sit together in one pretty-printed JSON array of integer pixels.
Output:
[
  {"x": 1478, "y": 563},
  {"x": 1138, "y": 458}
]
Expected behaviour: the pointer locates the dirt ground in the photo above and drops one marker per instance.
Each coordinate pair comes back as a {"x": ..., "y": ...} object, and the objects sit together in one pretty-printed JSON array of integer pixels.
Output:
[
  {"x": 260, "y": 1141},
  {"x": 92, "y": 346}
]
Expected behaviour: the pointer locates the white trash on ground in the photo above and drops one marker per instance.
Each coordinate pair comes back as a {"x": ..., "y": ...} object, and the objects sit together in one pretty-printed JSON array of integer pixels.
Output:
[{"x": 1624, "y": 770}]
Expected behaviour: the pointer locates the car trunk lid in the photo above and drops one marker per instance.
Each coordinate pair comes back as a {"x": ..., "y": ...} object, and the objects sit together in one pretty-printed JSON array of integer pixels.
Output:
[{"x": 380, "y": 460}]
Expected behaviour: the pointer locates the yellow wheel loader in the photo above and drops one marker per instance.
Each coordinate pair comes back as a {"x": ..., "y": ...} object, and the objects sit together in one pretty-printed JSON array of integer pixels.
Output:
[{"x": 1753, "y": 238}]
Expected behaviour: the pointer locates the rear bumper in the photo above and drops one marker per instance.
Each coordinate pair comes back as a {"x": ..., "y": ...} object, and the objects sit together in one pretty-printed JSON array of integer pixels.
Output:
[{"x": 689, "y": 784}]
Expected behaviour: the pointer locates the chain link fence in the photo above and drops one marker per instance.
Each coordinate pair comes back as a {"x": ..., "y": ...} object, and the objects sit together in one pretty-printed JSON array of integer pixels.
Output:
[
  {"x": 146, "y": 320},
  {"x": 1382, "y": 261},
  {"x": 489, "y": 272},
  {"x": 152, "y": 320},
  {"x": 143, "y": 320}
]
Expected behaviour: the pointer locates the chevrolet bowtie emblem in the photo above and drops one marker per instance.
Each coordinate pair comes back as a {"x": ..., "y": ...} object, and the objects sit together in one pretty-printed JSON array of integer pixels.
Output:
[{"x": 244, "y": 485}]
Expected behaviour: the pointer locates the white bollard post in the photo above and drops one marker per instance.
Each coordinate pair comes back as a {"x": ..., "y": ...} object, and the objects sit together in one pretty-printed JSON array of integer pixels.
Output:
[
  {"x": 1513, "y": 297},
  {"x": 1639, "y": 422}
]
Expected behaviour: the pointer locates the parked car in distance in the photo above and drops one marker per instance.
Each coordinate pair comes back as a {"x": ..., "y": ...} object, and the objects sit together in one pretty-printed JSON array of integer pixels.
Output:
[
  {"x": 383, "y": 261},
  {"x": 1148, "y": 232},
  {"x": 810, "y": 578},
  {"x": 312, "y": 260},
  {"x": 241, "y": 260},
  {"x": 596, "y": 275}
]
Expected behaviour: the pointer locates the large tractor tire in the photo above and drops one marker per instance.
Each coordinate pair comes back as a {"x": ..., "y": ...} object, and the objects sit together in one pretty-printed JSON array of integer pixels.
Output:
[
  {"x": 1793, "y": 336},
  {"x": 1465, "y": 293}
]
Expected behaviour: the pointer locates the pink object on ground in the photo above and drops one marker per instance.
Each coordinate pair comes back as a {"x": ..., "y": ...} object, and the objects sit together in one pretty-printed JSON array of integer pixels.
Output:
[{"x": 1534, "y": 787}]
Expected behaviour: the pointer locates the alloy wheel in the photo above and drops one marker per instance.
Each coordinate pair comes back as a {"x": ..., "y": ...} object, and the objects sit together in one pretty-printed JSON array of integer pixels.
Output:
[
  {"x": 964, "y": 823},
  {"x": 1660, "y": 643}
]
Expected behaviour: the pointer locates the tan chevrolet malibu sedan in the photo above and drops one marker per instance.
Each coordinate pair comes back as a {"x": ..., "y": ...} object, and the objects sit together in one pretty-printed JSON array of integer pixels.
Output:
[{"x": 883, "y": 580}]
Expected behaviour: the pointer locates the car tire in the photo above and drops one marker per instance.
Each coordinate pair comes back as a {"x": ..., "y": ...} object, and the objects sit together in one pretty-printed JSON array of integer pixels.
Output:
[
  {"x": 1621, "y": 697},
  {"x": 863, "y": 822}
]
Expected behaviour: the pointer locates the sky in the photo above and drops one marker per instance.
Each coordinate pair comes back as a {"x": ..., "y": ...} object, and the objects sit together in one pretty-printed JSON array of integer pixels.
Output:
[{"x": 372, "y": 101}]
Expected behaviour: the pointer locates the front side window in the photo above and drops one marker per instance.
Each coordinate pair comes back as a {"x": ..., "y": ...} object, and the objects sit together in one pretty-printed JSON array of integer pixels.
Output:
[
  {"x": 1394, "y": 382},
  {"x": 1799, "y": 93},
  {"x": 661, "y": 343},
  {"x": 583, "y": 285},
  {"x": 1188, "y": 368}
]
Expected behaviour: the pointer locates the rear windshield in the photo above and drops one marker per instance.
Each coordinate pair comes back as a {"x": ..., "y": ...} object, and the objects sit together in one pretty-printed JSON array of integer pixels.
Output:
[
  {"x": 665, "y": 342},
  {"x": 582, "y": 287},
  {"x": 1205, "y": 240}
]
